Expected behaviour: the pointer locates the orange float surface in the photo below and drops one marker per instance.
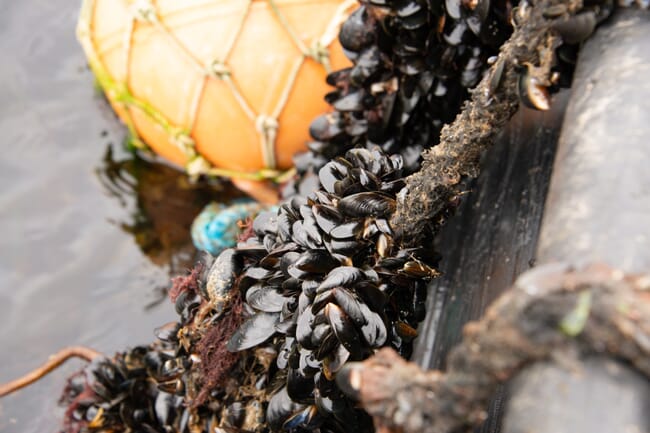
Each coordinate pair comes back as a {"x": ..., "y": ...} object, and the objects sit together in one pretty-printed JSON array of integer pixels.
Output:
[{"x": 223, "y": 87}]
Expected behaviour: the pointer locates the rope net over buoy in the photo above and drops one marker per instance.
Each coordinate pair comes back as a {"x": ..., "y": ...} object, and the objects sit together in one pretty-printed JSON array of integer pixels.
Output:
[{"x": 223, "y": 88}]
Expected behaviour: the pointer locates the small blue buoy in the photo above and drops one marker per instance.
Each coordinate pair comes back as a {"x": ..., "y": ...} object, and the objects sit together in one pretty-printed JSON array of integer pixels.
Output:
[{"x": 216, "y": 229}]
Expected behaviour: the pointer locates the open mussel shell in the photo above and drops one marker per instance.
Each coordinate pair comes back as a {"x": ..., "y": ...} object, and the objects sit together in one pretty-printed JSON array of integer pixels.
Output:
[
  {"x": 328, "y": 344},
  {"x": 405, "y": 331},
  {"x": 282, "y": 360},
  {"x": 327, "y": 217},
  {"x": 329, "y": 175},
  {"x": 168, "y": 332},
  {"x": 335, "y": 361},
  {"x": 531, "y": 92}
]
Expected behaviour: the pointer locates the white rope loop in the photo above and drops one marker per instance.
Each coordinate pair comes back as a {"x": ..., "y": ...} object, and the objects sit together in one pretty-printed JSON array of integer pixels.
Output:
[
  {"x": 143, "y": 11},
  {"x": 197, "y": 166},
  {"x": 268, "y": 126},
  {"x": 320, "y": 54},
  {"x": 185, "y": 143},
  {"x": 219, "y": 69}
]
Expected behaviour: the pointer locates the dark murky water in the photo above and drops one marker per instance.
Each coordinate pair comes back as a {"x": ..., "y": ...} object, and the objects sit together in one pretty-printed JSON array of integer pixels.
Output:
[{"x": 87, "y": 232}]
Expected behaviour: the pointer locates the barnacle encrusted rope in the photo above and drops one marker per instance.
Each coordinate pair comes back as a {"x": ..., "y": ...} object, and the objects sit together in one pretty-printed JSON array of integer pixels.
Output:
[
  {"x": 494, "y": 101},
  {"x": 550, "y": 309},
  {"x": 52, "y": 363}
]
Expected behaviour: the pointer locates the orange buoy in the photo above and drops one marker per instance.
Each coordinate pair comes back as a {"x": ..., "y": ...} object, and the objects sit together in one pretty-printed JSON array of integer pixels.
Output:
[{"x": 220, "y": 87}]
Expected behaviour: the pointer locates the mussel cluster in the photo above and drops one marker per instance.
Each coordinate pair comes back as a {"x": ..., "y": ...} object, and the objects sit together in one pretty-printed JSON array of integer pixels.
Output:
[
  {"x": 158, "y": 388},
  {"x": 413, "y": 64},
  {"x": 332, "y": 285},
  {"x": 121, "y": 393},
  {"x": 264, "y": 331},
  {"x": 143, "y": 390}
]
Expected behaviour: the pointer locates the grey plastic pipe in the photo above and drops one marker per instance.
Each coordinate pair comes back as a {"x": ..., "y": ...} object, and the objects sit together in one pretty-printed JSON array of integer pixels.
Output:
[{"x": 597, "y": 210}]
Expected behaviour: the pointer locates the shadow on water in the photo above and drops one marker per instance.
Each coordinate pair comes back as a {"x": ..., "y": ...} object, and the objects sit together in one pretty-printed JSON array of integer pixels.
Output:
[
  {"x": 161, "y": 203},
  {"x": 87, "y": 230}
]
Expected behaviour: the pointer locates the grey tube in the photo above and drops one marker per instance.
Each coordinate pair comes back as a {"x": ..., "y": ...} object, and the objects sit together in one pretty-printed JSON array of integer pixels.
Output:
[
  {"x": 598, "y": 205},
  {"x": 597, "y": 210}
]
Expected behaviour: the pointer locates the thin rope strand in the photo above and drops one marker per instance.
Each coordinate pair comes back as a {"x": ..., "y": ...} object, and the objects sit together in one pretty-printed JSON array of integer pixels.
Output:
[
  {"x": 229, "y": 47},
  {"x": 193, "y": 110},
  {"x": 130, "y": 122},
  {"x": 266, "y": 174},
  {"x": 240, "y": 98},
  {"x": 332, "y": 29},
  {"x": 238, "y": 31},
  {"x": 127, "y": 43},
  {"x": 284, "y": 23},
  {"x": 196, "y": 101},
  {"x": 284, "y": 96},
  {"x": 52, "y": 363}
]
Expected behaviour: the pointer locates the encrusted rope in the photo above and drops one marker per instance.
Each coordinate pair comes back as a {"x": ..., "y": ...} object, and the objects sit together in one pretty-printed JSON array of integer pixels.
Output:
[
  {"x": 551, "y": 310},
  {"x": 493, "y": 102}
]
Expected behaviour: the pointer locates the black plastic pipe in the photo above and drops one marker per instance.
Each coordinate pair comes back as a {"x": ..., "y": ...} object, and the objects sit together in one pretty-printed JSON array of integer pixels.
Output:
[{"x": 597, "y": 210}]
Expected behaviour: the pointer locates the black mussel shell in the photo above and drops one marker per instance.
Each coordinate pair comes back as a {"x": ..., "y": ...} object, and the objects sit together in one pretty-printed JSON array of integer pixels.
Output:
[
  {"x": 280, "y": 408},
  {"x": 265, "y": 298},
  {"x": 367, "y": 204},
  {"x": 253, "y": 331},
  {"x": 343, "y": 276}
]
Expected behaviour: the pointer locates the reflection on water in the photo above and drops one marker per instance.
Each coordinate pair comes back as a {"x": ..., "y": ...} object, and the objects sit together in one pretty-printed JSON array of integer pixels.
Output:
[{"x": 161, "y": 203}]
